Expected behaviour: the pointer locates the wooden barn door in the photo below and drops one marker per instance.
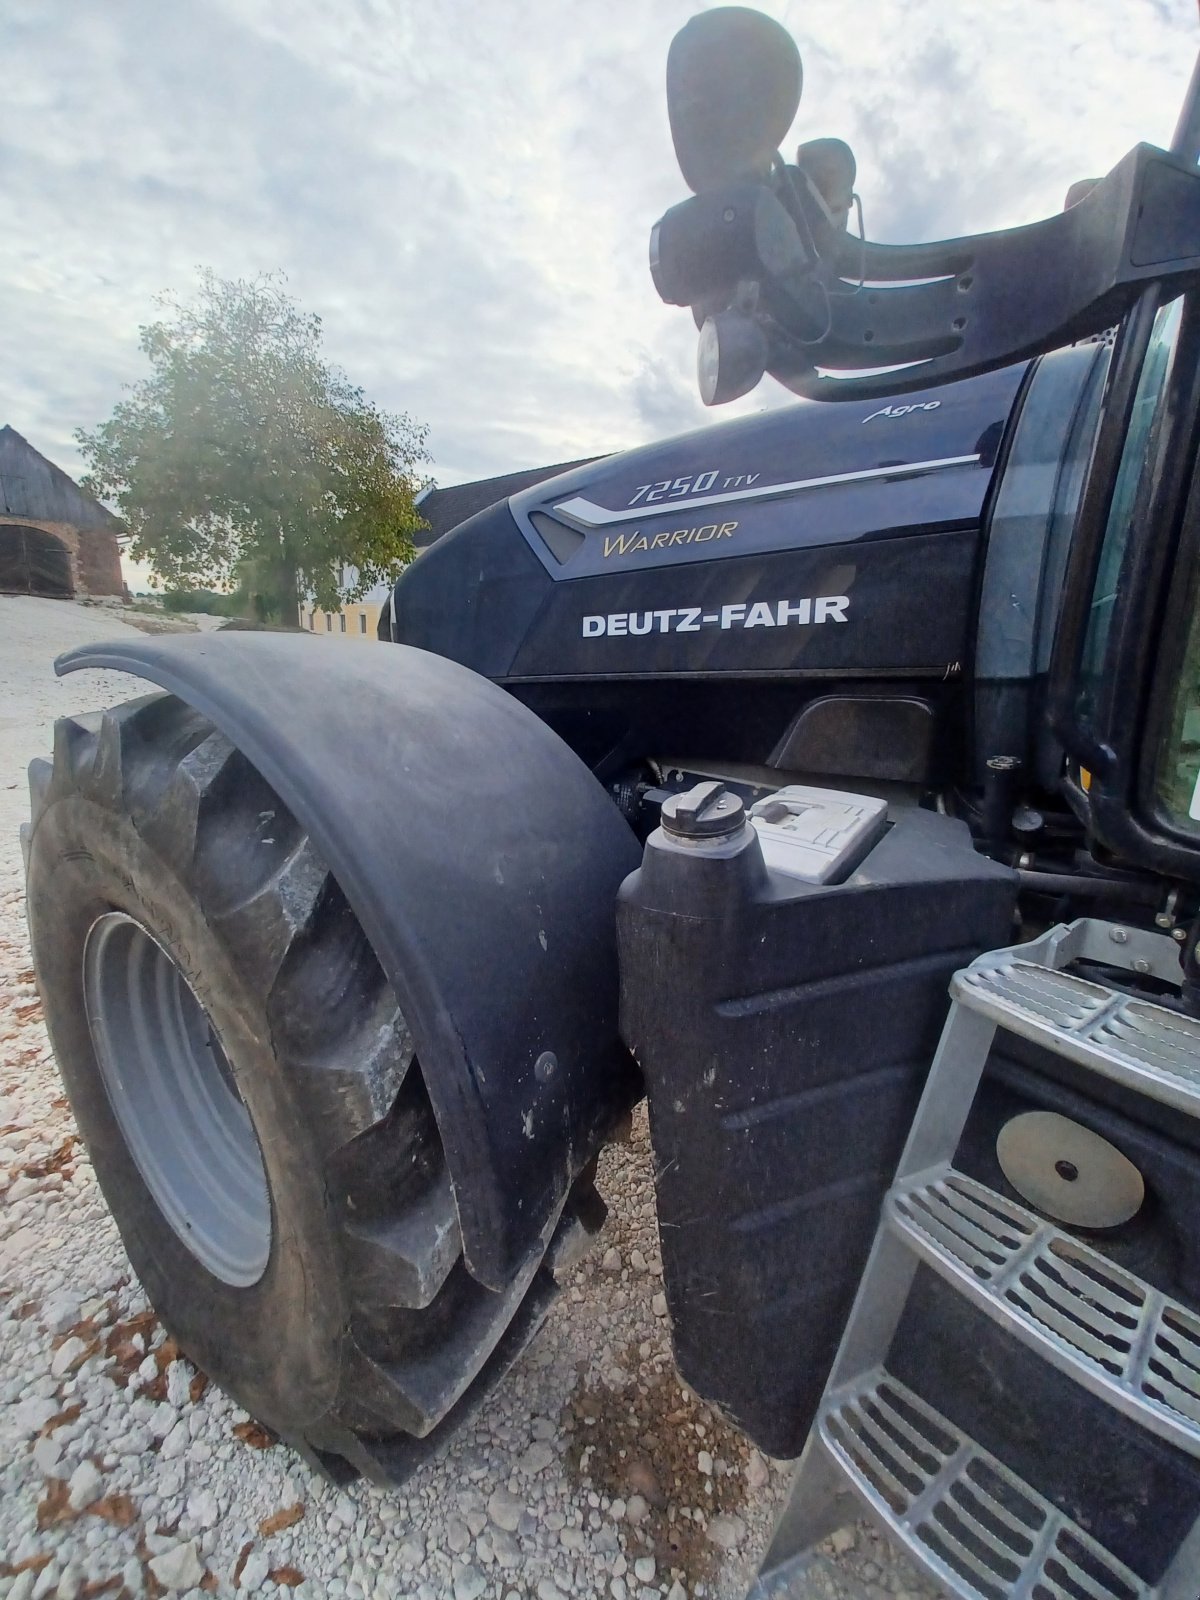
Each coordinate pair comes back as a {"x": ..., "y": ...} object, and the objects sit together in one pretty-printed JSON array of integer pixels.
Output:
[{"x": 33, "y": 562}]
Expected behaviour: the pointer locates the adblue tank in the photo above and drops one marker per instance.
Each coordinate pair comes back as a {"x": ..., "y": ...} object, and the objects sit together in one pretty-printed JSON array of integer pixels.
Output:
[{"x": 784, "y": 979}]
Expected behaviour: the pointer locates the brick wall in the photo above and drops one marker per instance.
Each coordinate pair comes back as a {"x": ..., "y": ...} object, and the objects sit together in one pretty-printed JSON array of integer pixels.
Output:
[{"x": 95, "y": 555}]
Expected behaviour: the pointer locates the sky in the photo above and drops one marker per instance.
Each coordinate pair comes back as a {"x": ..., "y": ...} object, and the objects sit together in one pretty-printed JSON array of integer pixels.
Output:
[{"x": 464, "y": 191}]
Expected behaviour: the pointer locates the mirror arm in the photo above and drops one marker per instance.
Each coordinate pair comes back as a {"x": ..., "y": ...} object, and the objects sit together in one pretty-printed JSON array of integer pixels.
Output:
[
  {"x": 832, "y": 320},
  {"x": 1001, "y": 297}
]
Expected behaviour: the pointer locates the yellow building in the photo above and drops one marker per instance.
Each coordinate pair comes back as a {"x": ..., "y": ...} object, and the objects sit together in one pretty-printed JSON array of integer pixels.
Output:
[{"x": 356, "y": 621}]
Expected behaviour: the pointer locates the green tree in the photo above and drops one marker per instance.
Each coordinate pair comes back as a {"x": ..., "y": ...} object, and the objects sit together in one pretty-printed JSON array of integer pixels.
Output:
[{"x": 245, "y": 449}]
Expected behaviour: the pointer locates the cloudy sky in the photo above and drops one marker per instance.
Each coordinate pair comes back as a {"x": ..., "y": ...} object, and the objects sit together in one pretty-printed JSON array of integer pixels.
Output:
[{"x": 464, "y": 191}]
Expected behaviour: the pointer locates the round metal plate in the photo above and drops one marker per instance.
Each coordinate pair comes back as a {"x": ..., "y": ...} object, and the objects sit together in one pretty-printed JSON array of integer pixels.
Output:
[{"x": 1068, "y": 1172}]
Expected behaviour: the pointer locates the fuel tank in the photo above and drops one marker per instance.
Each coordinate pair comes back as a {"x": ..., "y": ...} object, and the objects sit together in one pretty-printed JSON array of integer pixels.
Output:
[{"x": 797, "y": 589}]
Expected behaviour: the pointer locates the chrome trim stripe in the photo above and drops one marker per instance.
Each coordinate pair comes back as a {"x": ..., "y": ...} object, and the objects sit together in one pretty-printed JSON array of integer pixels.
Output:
[{"x": 594, "y": 516}]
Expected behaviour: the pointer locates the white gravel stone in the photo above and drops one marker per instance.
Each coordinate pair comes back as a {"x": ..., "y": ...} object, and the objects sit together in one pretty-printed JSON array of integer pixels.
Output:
[
  {"x": 659, "y": 1305},
  {"x": 176, "y": 1442},
  {"x": 536, "y": 1459},
  {"x": 727, "y": 1531},
  {"x": 643, "y": 1569},
  {"x": 203, "y": 1509},
  {"x": 254, "y": 1572},
  {"x": 506, "y": 1509},
  {"x": 60, "y": 1313},
  {"x": 178, "y": 1379},
  {"x": 30, "y": 1416},
  {"x": 458, "y": 1535},
  {"x": 179, "y": 1567},
  {"x": 68, "y": 1353},
  {"x": 469, "y": 1584},
  {"x": 506, "y": 1548},
  {"x": 636, "y": 1509},
  {"x": 161, "y": 1420},
  {"x": 411, "y": 1553},
  {"x": 47, "y": 1456},
  {"x": 85, "y": 1485},
  {"x": 47, "y": 1580}
]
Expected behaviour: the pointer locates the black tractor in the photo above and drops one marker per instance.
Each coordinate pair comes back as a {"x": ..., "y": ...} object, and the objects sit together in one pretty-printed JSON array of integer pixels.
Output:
[{"x": 829, "y": 777}]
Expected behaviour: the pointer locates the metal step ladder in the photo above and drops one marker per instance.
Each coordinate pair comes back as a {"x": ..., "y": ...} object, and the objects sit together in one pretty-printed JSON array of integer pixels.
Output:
[{"x": 962, "y": 1516}]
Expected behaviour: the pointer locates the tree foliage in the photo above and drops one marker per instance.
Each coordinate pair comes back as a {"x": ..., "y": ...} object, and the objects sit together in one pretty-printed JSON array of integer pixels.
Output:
[
  {"x": 207, "y": 601},
  {"x": 245, "y": 448}
]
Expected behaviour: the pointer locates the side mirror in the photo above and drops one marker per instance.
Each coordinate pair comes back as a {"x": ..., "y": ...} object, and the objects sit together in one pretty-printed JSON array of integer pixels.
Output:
[{"x": 733, "y": 89}]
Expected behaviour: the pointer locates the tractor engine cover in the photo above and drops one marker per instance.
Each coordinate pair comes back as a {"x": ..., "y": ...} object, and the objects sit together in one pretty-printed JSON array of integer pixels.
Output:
[{"x": 784, "y": 1015}]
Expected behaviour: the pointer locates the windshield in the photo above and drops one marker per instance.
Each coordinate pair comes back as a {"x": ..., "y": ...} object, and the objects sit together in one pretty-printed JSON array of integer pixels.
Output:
[
  {"x": 1178, "y": 764},
  {"x": 1136, "y": 453}
]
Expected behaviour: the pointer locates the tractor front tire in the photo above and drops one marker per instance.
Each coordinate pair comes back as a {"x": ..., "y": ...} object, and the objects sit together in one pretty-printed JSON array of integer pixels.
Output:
[{"x": 246, "y": 1086}]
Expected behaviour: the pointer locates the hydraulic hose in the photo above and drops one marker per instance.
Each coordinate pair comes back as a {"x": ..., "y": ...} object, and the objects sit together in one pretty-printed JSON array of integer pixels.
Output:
[{"x": 1087, "y": 888}]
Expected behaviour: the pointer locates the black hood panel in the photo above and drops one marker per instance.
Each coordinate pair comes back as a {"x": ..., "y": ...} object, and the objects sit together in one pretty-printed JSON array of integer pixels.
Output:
[
  {"x": 810, "y": 474},
  {"x": 819, "y": 540},
  {"x": 897, "y": 607}
]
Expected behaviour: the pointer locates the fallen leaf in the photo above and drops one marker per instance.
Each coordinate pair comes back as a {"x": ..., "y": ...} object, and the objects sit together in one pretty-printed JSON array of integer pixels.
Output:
[
  {"x": 55, "y": 1506},
  {"x": 254, "y": 1434},
  {"x": 58, "y": 1160},
  {"x": 118, "y": 1509},
  {"x": 197, "y": 1387},
  {"x": 84, "y": 1330},
  {"x": 243, "y": 1557},
  {"x": 30, "y": 1564},
  {"x": 167, "y": 1352},
  {"x": 286, "y": 1518},
  {"x": 98, "y": 1586},
  {"x": 289, "y": 1575},
  {"x": 59, "y": 1418},
  {"x": 209, "y": 1583},
  {"x": 144, "y": 1323}
]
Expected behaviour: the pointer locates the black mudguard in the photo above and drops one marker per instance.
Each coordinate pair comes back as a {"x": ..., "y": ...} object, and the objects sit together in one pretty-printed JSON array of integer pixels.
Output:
[{"x": 482, "y": 859}]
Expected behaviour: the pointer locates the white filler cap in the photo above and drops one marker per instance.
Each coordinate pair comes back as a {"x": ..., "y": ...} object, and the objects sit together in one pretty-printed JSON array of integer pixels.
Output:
[{"x": 817, "y": 834}]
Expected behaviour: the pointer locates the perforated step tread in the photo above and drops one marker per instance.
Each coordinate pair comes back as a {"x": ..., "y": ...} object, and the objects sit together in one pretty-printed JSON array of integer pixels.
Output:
[
  {"x": 1148, "y": 1047},
  {"x": 1120, "y": 1338},
  {"x": 973, "y": 1525}
]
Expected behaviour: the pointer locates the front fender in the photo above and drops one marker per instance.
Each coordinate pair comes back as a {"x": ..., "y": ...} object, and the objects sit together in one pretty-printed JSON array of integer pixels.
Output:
[{"x": 482, "y": 859}]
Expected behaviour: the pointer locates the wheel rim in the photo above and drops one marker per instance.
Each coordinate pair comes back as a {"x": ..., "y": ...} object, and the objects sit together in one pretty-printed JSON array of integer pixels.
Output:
[{"x": 174, "y": 1096}]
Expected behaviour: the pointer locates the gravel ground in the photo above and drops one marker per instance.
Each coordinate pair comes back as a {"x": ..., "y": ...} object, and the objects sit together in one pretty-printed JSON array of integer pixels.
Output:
[{"x": 593, "y": 1471}]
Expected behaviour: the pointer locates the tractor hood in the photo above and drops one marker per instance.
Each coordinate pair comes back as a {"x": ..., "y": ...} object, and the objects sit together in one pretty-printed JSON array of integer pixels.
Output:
[
  {"x": 723, "y": 550},
  {"x": 808, "y": 473}
]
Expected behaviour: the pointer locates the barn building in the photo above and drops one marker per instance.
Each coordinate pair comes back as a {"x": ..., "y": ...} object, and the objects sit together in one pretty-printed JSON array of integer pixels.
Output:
[{"x": 54, "y": 538}]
